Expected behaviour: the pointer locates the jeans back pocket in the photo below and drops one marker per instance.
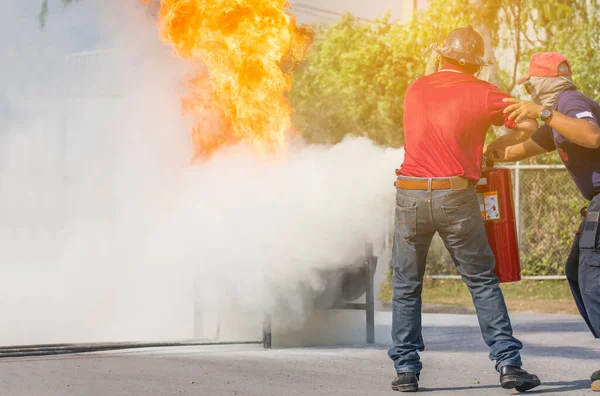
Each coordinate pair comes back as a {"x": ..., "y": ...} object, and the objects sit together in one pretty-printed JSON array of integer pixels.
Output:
[
  {"x": 406, "y": 221},
  {"x": 463, "y": 219}
]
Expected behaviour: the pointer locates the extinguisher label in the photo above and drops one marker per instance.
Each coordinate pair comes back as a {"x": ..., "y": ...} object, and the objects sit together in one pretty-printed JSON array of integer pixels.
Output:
[{"x": 488, "y": 205}]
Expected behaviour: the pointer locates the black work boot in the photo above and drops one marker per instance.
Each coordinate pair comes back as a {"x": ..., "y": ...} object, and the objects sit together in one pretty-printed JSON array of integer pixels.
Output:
[
  {"x": 406, "y": 382},
  {"x": 512, "y": 377}
]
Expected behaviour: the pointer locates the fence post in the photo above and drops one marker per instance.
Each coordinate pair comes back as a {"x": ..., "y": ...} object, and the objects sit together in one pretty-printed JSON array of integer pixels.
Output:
[
  {"x": 518, "y": 199},
  {"x": 267, "y": 331},
  {"x": 370, "y": 263}
]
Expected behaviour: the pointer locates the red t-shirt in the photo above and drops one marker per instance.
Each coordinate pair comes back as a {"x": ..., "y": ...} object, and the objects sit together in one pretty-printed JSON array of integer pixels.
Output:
[{"x": 446, "y": 117}]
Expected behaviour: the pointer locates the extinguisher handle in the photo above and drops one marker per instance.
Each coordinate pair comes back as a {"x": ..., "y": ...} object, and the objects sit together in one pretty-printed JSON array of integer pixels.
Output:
[{"x": 487, "y": 162}]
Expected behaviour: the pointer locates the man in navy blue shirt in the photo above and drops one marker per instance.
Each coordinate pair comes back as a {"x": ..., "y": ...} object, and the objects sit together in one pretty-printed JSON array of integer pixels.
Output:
[{"x": 570, "y": 125}]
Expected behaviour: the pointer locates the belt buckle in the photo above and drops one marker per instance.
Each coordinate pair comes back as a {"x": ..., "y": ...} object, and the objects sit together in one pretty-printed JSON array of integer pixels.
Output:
[{"x": 458, "y": 183}]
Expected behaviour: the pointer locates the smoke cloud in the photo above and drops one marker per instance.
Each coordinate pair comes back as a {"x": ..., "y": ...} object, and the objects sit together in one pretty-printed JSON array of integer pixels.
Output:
[{"x": 110, "y": 233}]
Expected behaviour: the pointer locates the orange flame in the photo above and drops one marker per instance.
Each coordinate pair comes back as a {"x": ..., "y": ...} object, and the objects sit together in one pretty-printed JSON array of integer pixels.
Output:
[{"x": 241, "y": 48}]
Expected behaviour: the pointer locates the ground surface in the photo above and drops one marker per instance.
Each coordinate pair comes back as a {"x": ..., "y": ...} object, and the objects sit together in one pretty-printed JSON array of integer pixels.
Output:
[
  {"x": 557, "y": 348},
  {"x": 552, "y": 296}
]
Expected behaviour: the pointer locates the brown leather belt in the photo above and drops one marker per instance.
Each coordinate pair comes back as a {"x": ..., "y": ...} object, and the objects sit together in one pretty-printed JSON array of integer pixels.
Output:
[{"x": 451, "y": 183}]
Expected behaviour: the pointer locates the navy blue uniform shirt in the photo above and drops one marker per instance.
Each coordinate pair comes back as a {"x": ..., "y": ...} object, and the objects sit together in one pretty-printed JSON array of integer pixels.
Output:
[{"x": 582, "y": 163}]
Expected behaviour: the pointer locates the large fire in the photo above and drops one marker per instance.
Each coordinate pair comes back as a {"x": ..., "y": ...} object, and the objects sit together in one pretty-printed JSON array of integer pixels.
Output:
[{"x": 244, "y": 51}]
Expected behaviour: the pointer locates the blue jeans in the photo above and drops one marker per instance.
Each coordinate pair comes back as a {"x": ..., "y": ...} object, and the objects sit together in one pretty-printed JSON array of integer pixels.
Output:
[
  {"x": 456, "y": 216},
  {"x": 583, "y": 273}
]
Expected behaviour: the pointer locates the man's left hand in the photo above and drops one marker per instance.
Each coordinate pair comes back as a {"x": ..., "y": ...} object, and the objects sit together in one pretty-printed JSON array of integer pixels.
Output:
[
  {"x": 521, "y": 109},
  {"x": 491, "y": 150}
]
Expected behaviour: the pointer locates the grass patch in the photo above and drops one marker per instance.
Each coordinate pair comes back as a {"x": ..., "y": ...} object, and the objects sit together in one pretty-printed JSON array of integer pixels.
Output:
[{"x": 551, "y": 296}]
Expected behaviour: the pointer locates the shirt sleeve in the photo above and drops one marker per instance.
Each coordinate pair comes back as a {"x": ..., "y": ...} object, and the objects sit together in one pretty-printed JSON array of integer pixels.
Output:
[
  {"x": 495, "y": 107},
  {"x": 576, "y": 105},
  {"x": 544, "y": 138}
]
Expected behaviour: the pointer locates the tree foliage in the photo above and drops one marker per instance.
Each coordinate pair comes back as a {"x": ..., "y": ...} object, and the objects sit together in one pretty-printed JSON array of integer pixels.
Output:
[
  {"x": 353, "y": 81},
  {"x": 572, "y": 27}
]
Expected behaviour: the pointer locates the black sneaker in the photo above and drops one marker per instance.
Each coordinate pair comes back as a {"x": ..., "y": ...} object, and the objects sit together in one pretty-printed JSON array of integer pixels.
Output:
[
  {"x": 512, "y": 377},
  {"x": 406, "y": 382},
  {"x": 595, "y": 376}
]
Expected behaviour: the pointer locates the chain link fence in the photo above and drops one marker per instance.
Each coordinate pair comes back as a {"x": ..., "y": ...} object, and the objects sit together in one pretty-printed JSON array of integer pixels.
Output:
[{"x": 547, "y": 206}]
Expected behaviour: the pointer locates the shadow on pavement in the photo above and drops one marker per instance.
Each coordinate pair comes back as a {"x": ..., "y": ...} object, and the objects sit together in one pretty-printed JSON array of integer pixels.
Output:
[
  {"x": 458, "y": 388},
  {"x": 449, "y": 339},
  {"x": 555, "y": 387},
  {"x": 555, "y": 326},
  {"x": 468, "y": 338},
  {"x": 568, "y": 352},
  {"x": 561, "y": 386}
]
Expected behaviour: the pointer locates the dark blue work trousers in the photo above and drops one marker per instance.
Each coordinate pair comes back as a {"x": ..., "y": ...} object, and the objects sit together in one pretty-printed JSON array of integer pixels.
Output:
[{"x": 583, "y": 273}]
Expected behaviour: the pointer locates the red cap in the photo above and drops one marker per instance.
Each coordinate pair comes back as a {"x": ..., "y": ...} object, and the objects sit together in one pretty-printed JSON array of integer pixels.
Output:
[{"x": 545, "y": 64}]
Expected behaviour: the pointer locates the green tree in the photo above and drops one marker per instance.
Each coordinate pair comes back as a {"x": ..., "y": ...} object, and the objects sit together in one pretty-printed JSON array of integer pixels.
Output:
[
  {"x": 354, "y": 79},
  {"x": 572, "y": 27}
]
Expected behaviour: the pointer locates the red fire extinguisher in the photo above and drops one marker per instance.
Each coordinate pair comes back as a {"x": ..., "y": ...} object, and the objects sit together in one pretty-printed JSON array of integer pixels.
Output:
[{"x": 494, "y": 191}]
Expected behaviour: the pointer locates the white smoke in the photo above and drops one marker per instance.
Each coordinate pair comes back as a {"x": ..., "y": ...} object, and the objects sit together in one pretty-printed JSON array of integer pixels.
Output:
[{"x": 108, "y": 232}]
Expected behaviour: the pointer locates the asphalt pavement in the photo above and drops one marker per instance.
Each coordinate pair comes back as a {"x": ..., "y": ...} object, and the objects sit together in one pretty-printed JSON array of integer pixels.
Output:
[{"x": 557, "y": 348}]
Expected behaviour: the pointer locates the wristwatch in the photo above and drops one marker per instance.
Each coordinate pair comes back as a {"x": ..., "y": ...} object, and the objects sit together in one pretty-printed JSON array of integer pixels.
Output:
[{"x": 546, "y": 114}]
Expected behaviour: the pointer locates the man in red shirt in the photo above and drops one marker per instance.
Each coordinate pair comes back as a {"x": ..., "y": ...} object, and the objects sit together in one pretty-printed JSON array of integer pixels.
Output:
[{"x": 447, "y": 115}]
